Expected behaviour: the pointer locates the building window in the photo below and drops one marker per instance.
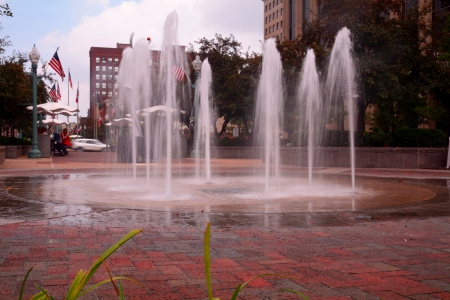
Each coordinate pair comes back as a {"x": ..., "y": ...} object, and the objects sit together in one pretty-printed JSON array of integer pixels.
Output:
[
  {"x": 116, "y": 60},
  {"x": 281, "y": 23},
  {"x": 273, "y": 4},
  {"x": 97, "y": 59},
  {"x": 116, "y": 69},
  {"x": 103, "y": 94},
  {"x": 97, "y": 68},
  {"x": 104, "y": 68},
  {"x": 277, "y": 2},
  {"x": 306, "y": 11},
  {"x": 97, "y": 77},
  {"x": 281, "y": 12},
  {"x": 266, "y": 8},
  {"x": 277, "y": 26},
  {"x": 110, "y": 60},
  {"x": 270, "y": 6},
  {"x": 103, "y": 77},
  {"x": 110, "y": 68},
  {"x": 292, "y": 19},
  {"x": 266, "y": 31},
  {"x": 270, "y": 18},
  {"x": 97, "y": 85},
  {"x": 269, "y": 29},
  {"x": 103, "y": 85},
  {"x": 277, "y": 13},
  {"x": 103, "y": 59},
  {"x": 266, "y": 20},
  {"x": 109, "y": 94}
]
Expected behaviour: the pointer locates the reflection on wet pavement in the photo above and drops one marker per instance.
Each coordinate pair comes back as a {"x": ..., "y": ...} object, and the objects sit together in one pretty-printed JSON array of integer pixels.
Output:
[{"x": 86, "y": 199}]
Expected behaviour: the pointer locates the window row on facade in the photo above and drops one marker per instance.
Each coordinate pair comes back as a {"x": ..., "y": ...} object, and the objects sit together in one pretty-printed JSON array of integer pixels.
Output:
[
  {"x": 109, "y": 60},
  {"x": 274, "y": 15},
  {"x": 103, "y": 68},
  {"x": 274, "y": 27},
  {"x": 273, "y": 4}
]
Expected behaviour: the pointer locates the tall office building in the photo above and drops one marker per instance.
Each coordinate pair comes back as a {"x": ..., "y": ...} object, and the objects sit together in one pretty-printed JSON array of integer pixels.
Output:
[
  {"x": 104, "y": 67},
  {"x": 284, "y": 19}
]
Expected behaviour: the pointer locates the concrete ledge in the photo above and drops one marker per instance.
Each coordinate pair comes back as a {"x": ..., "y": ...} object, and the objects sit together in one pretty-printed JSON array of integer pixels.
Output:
[
  {"x": 365, "y": 157},
  {"x": 13, "y": 152}
]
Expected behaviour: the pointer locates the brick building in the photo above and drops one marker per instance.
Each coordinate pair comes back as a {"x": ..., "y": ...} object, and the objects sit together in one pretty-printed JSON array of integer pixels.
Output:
[{"x": 104, "y": 67}]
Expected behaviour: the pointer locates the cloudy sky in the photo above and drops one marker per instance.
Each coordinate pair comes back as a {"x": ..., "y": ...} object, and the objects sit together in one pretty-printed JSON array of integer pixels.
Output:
[{"x": 77, "y": 25}]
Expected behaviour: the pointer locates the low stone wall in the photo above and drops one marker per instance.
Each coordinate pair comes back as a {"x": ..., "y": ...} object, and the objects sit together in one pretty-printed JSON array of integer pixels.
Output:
[
  {"x": 13, "y": 152},
  {"x": 365, "y": 157},
  {"x": 396, "y": 158},
  {"x": 2, "y": 154}
]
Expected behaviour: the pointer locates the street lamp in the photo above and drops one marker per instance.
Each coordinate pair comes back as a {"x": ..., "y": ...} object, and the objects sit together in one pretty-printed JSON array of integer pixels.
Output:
[
  {"x": 197, "y": 64},
  {"x": 34, "y": 57},
  {"x": 84, "y": 132}
]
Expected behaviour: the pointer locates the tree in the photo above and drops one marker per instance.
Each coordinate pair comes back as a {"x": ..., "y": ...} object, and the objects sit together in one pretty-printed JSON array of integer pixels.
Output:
[
  {"x": 234, "y": 78},
  {"x": 392, "y": 56},
  {"x": 4, "y": 42}
]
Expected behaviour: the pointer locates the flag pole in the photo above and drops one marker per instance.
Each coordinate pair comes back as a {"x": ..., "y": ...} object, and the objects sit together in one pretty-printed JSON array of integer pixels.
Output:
[{"x": 68, "y": 98}]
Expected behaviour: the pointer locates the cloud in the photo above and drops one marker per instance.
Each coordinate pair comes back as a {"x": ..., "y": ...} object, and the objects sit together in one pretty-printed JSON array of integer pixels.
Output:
[
  {"x": 97, "y": 2},
  {"x": 196, "y": 19}
]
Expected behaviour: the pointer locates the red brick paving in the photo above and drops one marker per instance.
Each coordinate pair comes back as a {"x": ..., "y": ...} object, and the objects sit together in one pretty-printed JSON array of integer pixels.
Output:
[{"x": 403, "y": 259}]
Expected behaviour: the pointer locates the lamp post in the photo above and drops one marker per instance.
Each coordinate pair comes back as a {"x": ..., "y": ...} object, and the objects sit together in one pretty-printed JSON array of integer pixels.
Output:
[
  {"x": 197, "y": 64},
  {"x": 84, "y": 132},
  {"x": 34, "y": 57}
]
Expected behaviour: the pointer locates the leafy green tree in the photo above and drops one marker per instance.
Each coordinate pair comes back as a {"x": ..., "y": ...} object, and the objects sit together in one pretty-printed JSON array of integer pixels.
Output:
[
  {"x": 392, "y": 56},
  {"x": 235, "y": 75},
  {"x": 4, "y": 42}
]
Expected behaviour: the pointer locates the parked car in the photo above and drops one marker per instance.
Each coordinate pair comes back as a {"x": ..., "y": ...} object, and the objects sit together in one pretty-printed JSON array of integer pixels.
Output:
[{"x": 88, "y": 145}]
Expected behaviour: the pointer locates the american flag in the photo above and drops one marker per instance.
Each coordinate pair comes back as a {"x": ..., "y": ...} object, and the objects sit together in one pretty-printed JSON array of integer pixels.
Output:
[
  {"x": 52, "y": 93},
  {"x": 57, "y": 91},
  {"x": 55, "y": 63},
  {"x": 70, "y": 81},
  {"x": 78, "y": 93},
  {"x": 178, "y": 71}
]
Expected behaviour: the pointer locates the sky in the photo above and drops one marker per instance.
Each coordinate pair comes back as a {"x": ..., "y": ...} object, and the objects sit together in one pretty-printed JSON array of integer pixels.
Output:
[{"x": 77, "y": 25}]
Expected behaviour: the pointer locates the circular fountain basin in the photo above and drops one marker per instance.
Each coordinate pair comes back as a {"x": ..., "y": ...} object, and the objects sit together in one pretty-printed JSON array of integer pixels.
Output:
[{"x": 235, "y": 194}]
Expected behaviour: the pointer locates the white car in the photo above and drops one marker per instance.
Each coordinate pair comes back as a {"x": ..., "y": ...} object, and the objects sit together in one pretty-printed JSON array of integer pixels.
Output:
[{"x": 87, "y": 145}]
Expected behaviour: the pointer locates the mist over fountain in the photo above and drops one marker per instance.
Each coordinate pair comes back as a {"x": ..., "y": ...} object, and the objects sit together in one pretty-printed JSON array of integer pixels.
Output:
[{"x": 152, "y": 97}]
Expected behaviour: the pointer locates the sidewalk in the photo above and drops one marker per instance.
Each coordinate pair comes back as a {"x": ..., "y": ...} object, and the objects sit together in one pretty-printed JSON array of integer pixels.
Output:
[{"x": 401, "y": 255}]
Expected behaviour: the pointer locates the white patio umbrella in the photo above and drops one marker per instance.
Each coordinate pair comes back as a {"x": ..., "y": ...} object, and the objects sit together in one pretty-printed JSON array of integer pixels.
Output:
[
  {"x": 52, "y": 122},
  {"x": 53, "y": 108},
  {"x": 160, "y": 110}
]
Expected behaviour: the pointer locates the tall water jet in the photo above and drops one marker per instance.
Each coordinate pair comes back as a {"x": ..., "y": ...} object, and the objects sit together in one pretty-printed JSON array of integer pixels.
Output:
[
  {"x": 340, "y": 88},
  {"x": 203, "y": 136},
  {"x": 167, "y": 86},
  {"x": 269, "y": 113},
  {"x": 309, "y": 102},
  {"x": 135, "y": 82}
]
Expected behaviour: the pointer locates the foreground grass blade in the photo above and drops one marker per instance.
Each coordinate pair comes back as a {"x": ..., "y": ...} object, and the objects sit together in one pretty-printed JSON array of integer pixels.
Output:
[
  {"x": 42, "y": 295},
  {"x": 241, "y": 286},
  {"x": 94, "y": 286},
  {"x": 207, "y": 260},
  {"x": 295, "y": 292},
  {"x": 23, "y": 283},
  {"x": 83, "y": 277}
]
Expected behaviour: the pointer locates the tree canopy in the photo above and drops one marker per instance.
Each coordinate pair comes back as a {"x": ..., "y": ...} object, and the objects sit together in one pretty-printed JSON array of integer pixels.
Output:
[
  {"x": 396, "y": 69},
  {"x": 235, "y": 75}
]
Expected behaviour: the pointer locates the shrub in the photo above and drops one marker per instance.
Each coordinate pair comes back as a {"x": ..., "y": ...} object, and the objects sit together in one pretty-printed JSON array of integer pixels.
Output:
[
  {"x": 377, "y": 138},
  {"x": 417, "y": 137},
  {"x": 7, "y": 141}
]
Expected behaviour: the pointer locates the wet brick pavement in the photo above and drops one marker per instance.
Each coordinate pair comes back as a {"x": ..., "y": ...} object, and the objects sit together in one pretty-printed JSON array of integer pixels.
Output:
[{"x": 383, "y": 256}]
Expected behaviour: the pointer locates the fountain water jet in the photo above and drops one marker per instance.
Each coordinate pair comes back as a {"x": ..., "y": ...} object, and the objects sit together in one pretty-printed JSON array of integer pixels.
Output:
[
  {"x": 203, "y": 136},
  {"x": 269, "y": 109},
  {"x": 309, "y": 100},
  {"x": 340, "y": 86}
]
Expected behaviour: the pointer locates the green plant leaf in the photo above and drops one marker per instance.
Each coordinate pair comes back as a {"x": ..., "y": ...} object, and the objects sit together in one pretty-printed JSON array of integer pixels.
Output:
[
  {"x": 206, "y": 249},
  {"x": 121, "y": 290},
  {"x": 93, "y": 287},
  {"x": 23, "y": 283},
  {"x": 295, "y": 292},
  {"x": 42, "y": 295},
  {"x": 83, "y": 277}
]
